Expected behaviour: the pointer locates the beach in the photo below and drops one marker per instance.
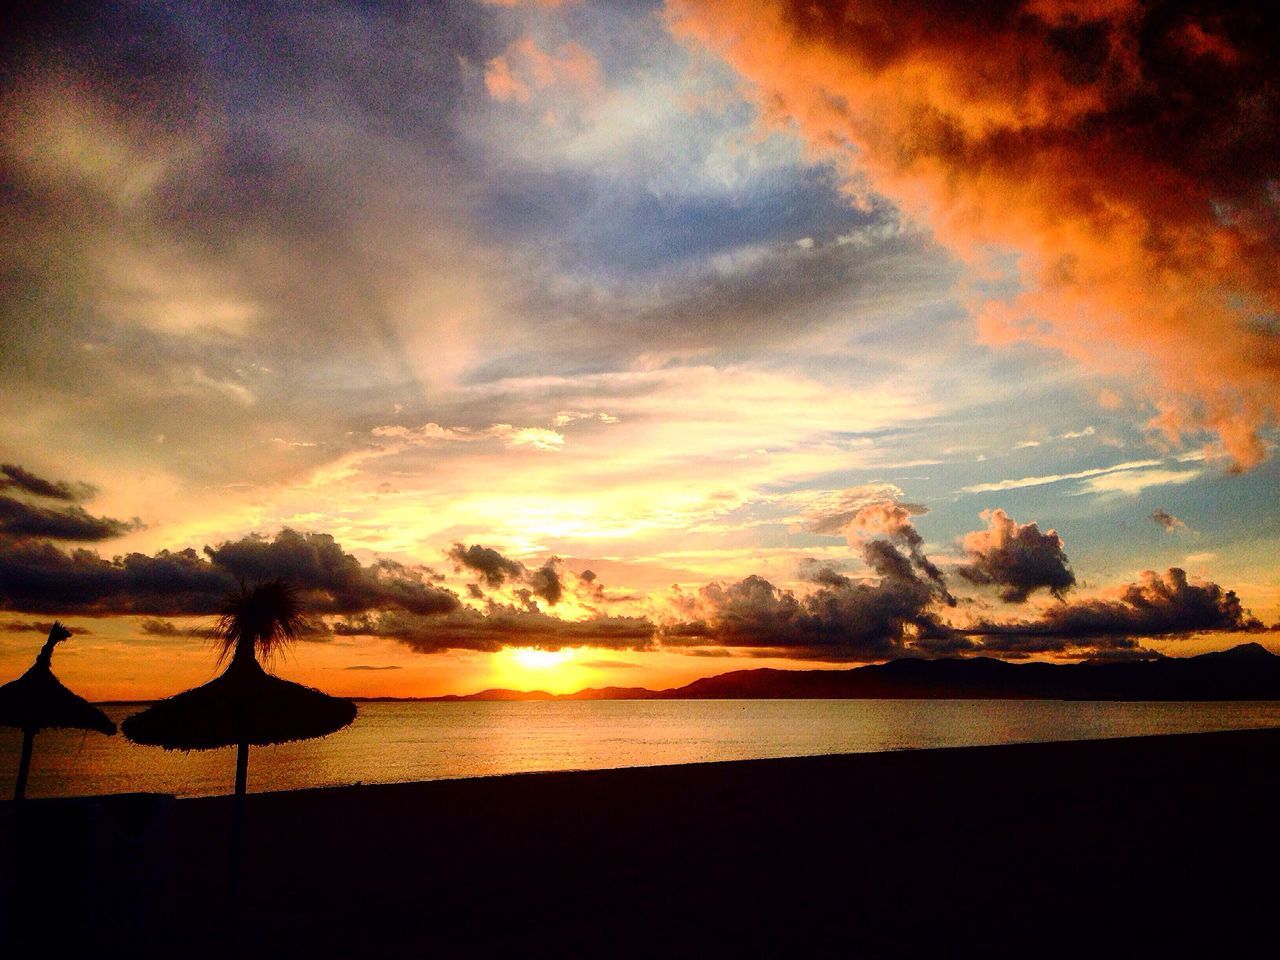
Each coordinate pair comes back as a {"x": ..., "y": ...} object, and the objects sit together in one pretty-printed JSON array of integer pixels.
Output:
[{"x": 1150, "y": 843}]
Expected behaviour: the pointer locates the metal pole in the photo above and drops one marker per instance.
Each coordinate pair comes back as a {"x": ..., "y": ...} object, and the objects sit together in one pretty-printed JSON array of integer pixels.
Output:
[
  {"x": 24, "y": 764},
  {"x": 237, "y": 846}
]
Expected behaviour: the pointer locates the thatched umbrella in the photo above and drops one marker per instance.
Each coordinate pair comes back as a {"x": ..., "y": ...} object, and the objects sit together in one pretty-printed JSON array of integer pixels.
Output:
[
  {"x": 245, "y": 704},
  {"x": 37, "y": 700}
]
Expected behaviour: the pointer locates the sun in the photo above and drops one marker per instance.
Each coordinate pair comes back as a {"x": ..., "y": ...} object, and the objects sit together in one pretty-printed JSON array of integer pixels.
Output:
[
  {"x": 526, "y": 668},
  {"x": 531, "y": 658}
]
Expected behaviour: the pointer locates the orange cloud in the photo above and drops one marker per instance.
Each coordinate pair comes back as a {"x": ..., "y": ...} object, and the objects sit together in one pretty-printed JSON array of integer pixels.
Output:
[
  {"x": 525, "y": 69},
  {"x": 1125, "y": 152}
]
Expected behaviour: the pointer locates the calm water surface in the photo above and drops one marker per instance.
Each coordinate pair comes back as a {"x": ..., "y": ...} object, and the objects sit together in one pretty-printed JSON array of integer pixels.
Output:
[{"x": 392, "y": 742}]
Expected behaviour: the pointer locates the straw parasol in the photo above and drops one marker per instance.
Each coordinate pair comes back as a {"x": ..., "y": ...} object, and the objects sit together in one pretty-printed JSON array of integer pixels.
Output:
[
  {"x": 245, "y": 704},
  {"x": 37, "y": 700}
]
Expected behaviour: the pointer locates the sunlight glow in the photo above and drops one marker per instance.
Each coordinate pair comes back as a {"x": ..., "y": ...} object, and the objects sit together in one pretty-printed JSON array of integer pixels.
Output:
[
  {"x": 531, "y": 658},
  {"x": 528, "y": 668}
]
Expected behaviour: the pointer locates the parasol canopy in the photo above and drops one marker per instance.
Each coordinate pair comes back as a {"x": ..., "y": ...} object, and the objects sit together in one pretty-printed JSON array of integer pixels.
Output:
[
  {"x": 243, "y": 705},
  {"x": 37, "y": 700}
]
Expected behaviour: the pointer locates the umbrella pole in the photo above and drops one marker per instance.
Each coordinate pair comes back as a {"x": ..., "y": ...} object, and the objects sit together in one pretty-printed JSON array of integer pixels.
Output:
[
  {"x": 24, "y": 764},
  {"x": 237, "y": 843}
]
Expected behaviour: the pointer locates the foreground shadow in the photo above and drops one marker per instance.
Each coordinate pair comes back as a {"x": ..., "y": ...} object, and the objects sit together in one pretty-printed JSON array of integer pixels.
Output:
[{"x": 1142, "y": 846}]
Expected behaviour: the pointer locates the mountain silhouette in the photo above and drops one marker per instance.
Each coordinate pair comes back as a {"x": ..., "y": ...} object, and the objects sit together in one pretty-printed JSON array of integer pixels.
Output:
[{"x": 1246, "y": 672}]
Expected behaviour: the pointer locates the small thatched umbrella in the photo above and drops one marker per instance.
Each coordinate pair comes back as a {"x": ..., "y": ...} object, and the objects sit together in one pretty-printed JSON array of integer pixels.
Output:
[
  {"x": 245, "y": 704},
  {"x": 37, "y": 700}
]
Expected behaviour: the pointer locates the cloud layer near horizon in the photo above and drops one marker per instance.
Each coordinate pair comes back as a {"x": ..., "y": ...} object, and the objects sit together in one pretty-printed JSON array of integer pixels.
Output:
[
  {"x": 1124, "y": 154},
  {"x": 897, "y": 611},
  {"x": 1158, "y": 605}
]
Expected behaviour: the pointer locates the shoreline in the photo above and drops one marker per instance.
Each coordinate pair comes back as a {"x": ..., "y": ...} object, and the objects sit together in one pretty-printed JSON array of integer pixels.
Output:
[
  {"x": 696, "y": 767},
  {"x": 466, "y": 702},
  {"x": 422, "y": 746},
  {"x": 1144, "y": 843}
]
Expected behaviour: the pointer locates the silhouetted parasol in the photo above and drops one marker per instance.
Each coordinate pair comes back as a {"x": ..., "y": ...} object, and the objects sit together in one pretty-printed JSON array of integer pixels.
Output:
[
  {"x": 37, "y": 700},
  {"x": 245, "y": 704}
]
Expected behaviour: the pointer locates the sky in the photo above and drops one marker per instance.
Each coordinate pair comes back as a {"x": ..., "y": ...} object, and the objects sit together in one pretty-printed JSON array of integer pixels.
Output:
[{"x": 551, "y": 345}]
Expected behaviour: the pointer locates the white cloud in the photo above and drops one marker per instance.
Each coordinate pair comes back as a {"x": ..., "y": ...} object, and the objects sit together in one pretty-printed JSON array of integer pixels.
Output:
[
  {"x": 1069, "y": 435},
  {"x": 537, "y": 437},
  {"x": 1133, "y": 482},
  {"x": 429, "y": 433},
  {"x": 1058, "y": 477},
  {"x": 566, "y": 417}
]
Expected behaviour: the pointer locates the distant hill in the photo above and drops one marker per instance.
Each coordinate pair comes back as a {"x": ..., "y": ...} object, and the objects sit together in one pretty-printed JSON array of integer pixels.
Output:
[{"x": 1246, "y": 672}]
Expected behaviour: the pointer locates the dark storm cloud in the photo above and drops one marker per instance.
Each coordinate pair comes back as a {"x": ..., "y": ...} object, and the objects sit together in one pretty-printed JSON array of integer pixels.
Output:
[
  {"x": 36, "y": 626},
  {"x": 1158, "y": 605},
  {"x": 493, "y": 568},
  {"x": 498, "y": 626},
  {"x": 37, "y": 577},
  {"x": 1014, "y": 646},
  {"x": 332, "y": 580},
  {"x": 63, "y": 520},
  {"x": 17, "y": 476},
  {"x": 1017, "y": 558},
  {"x": 843, "y": 619},
  {"x": 545, "y": 582},
  {"x": 945, "y": 643},
  {"x": 847, "y": 619},
  {"x": 891, "y": 519},
  {"x": 876, "y": 510},
  {"x": 828, "y": 577},
  {"x": 156, "y": 627},
  {"x": 524, "y": 597},
  {"x": 380, "y": 598},
  {"x": 19, "y": 519},
  {"x": 589, "y": 588}
]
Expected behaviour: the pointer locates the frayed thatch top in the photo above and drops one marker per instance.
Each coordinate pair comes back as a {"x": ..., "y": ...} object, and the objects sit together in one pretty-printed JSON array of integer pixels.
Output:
[
  {"x": 244, "y": 704},
  {"x": 37, "y": 700}
]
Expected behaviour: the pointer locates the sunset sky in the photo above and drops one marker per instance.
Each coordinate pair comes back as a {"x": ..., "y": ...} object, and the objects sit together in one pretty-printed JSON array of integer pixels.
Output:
[{"x": 553, "y": 345}]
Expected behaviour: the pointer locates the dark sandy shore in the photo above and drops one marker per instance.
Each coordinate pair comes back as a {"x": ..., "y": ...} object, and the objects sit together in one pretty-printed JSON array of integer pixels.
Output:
[{"x": 1145, "y": 846}]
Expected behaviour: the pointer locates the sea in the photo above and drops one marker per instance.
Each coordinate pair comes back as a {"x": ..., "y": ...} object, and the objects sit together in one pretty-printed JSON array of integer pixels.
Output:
[{"x": 404, "y": 741}]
